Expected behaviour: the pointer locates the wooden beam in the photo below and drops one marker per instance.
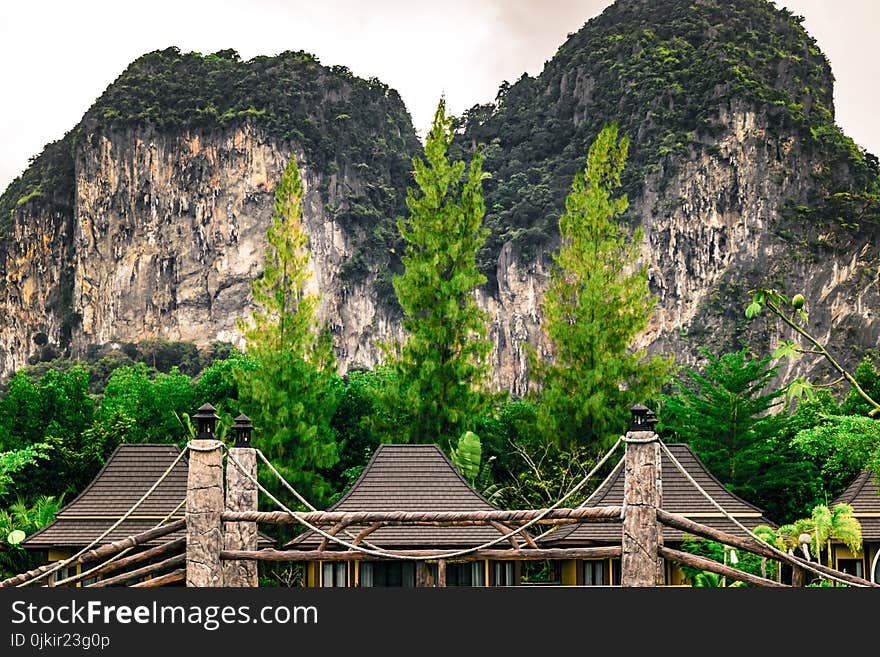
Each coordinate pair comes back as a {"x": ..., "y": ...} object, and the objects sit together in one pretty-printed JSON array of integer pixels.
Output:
[
  {"x": 688, "y": 526},
  {"x": 599, "y": 552},
  {"x": 113, "y": 566},
  {"x": 204, "y": 505},
  {"x": 676, "y": 521},
  {"x": 241, "y": 495},
  {"x": 555, "y": 516},
  {"x": 176, "y": 560},
  {"x": 100, "y": 553},
  {"x": 174, "y": 576},
  {"x": 703, "y": 563}
]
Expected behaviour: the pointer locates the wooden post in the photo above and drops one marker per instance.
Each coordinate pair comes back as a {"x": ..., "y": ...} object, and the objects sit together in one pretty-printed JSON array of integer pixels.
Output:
[
  {"x": 640, "y": 562},
  {"x": 424, "y": 578},
  {"x": 798, "y": 576},
  {"x": 204, "y": 504},
  {"x": 241, "y": 495},
  {"x": 441, "y": 573}
]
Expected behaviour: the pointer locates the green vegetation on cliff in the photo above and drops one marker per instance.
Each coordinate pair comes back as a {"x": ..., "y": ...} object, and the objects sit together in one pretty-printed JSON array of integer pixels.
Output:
[
  {"x": 665, "y": 72},
  {"x": 346, "y": 126}
]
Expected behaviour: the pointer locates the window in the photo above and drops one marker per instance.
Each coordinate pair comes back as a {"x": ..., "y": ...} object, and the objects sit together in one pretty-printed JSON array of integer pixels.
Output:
[
  {"x": 334, "y": 574},
  {"x": 466, "y": 574},
  {"x": 595, "y": 573},
  {"x": 61, "y": 574},
  {"x": 380, "y": 573},
  {"x": 851, "y": 566},
  {"x": 503, "y": 573}
]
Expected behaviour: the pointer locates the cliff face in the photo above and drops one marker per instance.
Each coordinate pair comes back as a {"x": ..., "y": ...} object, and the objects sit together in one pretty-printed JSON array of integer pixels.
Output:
[
  {"x": 171, "y": 230},
  {"x": 736, "y": 172},
  {"x": 149, "y": 219}
]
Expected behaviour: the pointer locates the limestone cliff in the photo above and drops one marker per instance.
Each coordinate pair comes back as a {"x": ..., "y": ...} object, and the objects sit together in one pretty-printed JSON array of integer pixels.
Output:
[{"x": 149, "y": 218}]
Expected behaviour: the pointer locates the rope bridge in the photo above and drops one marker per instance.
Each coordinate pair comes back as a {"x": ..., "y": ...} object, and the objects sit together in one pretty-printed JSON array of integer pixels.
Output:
[{"x": 220, "y": 546}]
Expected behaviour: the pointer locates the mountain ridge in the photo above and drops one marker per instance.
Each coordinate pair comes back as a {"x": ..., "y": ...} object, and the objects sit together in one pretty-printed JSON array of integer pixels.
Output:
[{"x": 737, "y": 172}]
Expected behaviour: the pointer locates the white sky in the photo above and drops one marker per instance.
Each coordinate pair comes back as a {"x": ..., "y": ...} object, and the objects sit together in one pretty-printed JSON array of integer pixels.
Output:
[{"x": 58, "y": 56}]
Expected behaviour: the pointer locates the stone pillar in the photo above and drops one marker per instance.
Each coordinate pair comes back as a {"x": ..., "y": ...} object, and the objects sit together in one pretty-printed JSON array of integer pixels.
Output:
[
  {"x": 241, "y": 495},
  {"x": 640, "y": 563},
  {"x": 204, "y": 504}
]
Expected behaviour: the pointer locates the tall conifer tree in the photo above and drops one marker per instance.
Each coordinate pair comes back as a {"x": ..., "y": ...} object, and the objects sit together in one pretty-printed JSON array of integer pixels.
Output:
[
  {"x": 596, "y": 304},
  {"x": 441, "y": 368},
  {"x": 292, "y": 394}
]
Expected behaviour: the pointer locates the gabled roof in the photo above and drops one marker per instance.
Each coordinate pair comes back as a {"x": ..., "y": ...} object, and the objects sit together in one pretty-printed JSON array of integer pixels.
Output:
[
  {"x": 679, "y": 496},
  {"x": 410, "y": 478},
  {"x": 863, "y": 495},
  {"x": 130, "y": 471}
]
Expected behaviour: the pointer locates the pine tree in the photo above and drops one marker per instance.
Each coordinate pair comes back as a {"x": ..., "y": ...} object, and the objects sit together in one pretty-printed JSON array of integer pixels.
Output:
[
  {"x": 441, "y": 370},
  {"x": 596, "y": 304},
  {"x": 292, "y": 394},
  {"x": 725, "y": 413}
]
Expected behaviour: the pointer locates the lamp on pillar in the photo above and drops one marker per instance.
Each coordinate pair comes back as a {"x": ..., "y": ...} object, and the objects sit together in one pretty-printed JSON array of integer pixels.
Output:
[
  {"x": 643, "y": 418},
  {"x": 206, "y": 422},
  {"x": 241, "y": 430}
]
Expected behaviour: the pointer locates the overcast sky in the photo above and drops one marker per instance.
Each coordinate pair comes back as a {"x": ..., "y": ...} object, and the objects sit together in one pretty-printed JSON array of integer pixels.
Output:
[{"x": 58, "y": 56}]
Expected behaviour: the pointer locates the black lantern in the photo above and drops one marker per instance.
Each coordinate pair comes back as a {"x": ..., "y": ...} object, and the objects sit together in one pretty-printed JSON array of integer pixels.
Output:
[
  {"x": 643, "y": 418},
  {"x": 241, "y": 430},
  {"x": 206, "y": 421}
]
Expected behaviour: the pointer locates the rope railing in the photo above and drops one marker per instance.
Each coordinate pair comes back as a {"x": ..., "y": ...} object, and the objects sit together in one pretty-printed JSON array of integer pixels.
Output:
[
  {"x": 99, "y": 553},
  {"x": 779, "y": 554},
  {"x": 108, "y": 565},
  {"x": 66, "y": 562},
  {"x": 450, "y": 554}
]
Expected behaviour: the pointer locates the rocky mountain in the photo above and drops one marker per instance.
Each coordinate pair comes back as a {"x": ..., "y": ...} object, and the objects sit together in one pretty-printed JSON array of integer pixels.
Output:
[{"x": 148, "y": 218}]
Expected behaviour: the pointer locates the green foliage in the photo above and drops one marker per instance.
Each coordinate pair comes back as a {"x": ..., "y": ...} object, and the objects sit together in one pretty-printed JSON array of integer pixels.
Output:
[
  {"x": 596, "y": 305},
  {"x": 23, "y": 518},
  {"x": 467, "y": 456},
  {"x": 217, "y": 384},
  {"x": 442, "y": 368},
  {"x": 724, "y": 411},
  {"x": 823, "y": 525},
  {"x": 841, "y": 446},
  {"x": 292, "y": 393},
  {"x": 868, "y": 377},
  {"x": 352, "y": 424},
  {"x": 13, "y": 461},
  {"x": 146, "y": 406},
  {"x": 528, "y": 472},
  {"x": 737, "y": 426},
  {"x": 745, "y": 562},
  {"x": 670, "y": 73},
  {"x": 54, "y": 412}
]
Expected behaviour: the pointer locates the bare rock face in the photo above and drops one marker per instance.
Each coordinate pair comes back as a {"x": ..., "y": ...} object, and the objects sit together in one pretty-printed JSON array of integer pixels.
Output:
[
  {"x": 168, "y": 231},
  {"x": 36, "y": 283},
  {"x": 172, "y": 230}
]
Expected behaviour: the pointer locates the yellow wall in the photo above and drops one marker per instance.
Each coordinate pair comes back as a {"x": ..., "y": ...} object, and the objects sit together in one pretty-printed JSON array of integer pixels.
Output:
[{"x": 569, "y": 572}]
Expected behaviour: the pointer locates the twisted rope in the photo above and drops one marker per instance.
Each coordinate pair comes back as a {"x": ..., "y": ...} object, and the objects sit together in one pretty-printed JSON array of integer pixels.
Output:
[
  {"x": 773, "y": 548},
  {"x": 63, "y": 563},
  {"x": 118, "y": 555},
  {"x": 443, "y": 555}
]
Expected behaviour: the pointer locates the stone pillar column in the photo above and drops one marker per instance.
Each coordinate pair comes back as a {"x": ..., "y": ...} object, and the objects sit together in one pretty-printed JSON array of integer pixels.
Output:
[
  {"x": 640, "y": 563},
  {"x": 241, "y": 495},
  {"x": 204, "y": 504}
]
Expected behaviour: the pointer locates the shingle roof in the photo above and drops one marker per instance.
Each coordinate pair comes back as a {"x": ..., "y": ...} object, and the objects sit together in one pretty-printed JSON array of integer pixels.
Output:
[
  {"x": 679, "y": 496},
  {"x": 411, "y": 478},
  {"x": 130, "y": 471},
  {"x": 863, "y": 495}
]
